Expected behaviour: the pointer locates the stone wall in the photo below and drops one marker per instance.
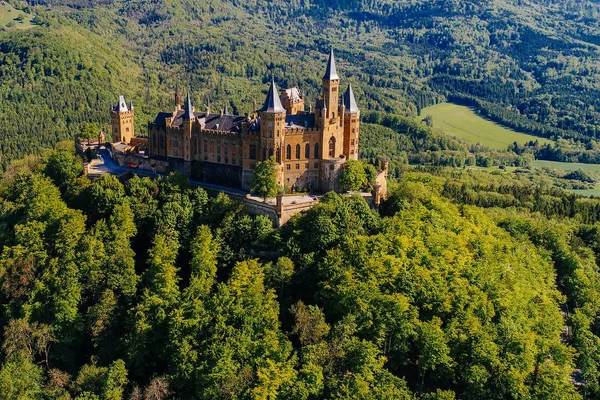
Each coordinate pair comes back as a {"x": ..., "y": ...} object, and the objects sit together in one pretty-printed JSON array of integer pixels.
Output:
[{"x": 139, "y": 162}]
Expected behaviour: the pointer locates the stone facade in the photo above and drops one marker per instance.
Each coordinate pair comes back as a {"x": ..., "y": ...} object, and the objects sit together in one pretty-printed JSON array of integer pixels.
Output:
[
  {"x": 310, "y": 147},
  {"x": 121, "y": 118}
]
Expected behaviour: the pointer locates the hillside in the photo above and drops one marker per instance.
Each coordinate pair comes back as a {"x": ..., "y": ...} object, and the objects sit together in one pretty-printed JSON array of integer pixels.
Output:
[
  {"x": 528, "y": 64},
  {"x": 151, "y": 289}
]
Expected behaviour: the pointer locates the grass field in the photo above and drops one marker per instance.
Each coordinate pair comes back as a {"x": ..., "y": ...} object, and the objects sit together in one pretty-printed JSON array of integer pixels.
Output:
[
  {"x": 589, "y": 192},
  {"x": 465, "y": 123},
  {"x": 567, "y": 166},
  {"x": 8, "y": 15}
]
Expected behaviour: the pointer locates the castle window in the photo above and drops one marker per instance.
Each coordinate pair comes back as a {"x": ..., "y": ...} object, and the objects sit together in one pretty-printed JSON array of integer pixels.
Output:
[
  {"x": 253, "y": 152},
  {"x": 298, "y": 151},
  {"x": 353, "y": 130},
  {"x": 288, "y": 167},
  {"x": 332, "y": 147},
  {"x": 218, "y": 158},
  {"x": 317, "y": 154},
  {"x": 264, "y": 154},
  {"x": 219, "y": 149},
  {"x": 351, "y": 151},
  {"x": 288, "y": 153},
  {"x": 307, "y": 151},
  {"x": 297, "y": 166},
  {"x": 352, "y": 142},
  {"x": 126, "y": 129},
  {"x": 278, "y": 155},
  {"x": 270, "y": 153},
  {"x": 306, "y": 166},
  {"x": 316, "y": 165}
]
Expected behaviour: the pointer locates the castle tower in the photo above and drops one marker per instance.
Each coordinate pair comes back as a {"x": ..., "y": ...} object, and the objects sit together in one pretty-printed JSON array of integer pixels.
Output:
[
  {"x": 331, "y": 84},
  {"x": 122, "y": 119},
  {"x": 272, "y": 129},
  {"x": 331, "y": 122},
  {"x": 351, "y": 125}
]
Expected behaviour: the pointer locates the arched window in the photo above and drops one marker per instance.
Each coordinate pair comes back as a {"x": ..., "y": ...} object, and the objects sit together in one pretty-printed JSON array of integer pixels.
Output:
[
  {"x": 307, "y": 151},
  {"x": 278, "y": 155},
  {"x": 332, "y": 147},
  {"x": 288, "y": 152},
  {"x": 317, "y": 154},
  {"x": 298, "y": 151}
]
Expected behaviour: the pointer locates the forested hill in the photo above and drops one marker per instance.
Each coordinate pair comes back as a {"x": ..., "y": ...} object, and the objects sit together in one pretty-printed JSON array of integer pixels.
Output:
[{"x": 530, "y": 64}]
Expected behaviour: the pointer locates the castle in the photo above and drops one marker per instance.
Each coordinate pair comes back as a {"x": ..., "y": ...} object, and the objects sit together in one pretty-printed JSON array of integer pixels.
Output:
[{"x": 310, "y": 148}]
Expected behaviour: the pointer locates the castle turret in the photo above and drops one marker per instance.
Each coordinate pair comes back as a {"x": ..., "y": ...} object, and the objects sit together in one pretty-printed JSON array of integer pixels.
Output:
[
  {"x": 122, "y": 121},
  {"x": 188, "y": 113},
  {"x": 272, "y": 128},
  {"x": 351, "y": 125},
  {"x": 331, "y": 83}
]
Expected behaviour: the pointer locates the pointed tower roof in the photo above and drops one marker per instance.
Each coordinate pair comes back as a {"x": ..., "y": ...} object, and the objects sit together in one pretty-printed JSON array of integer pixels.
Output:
[
  {"x": 122, "y": 107},
  {"x": 272, "y": 103},
  {"x": 331, "y": 72},
  {"x": 350, "y": 102},
  {"x": 188, "y": 113}
]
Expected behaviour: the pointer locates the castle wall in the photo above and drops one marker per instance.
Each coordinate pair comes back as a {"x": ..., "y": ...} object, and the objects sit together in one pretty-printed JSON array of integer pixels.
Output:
[{"x": 301, "y": 172}]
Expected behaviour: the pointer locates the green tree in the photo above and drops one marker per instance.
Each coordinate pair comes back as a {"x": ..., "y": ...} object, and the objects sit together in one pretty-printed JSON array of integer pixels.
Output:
[
  {"x": 353, "y": 176},
  {"x": 264, "y": 178},
  {"x": 90, "y": 131}
]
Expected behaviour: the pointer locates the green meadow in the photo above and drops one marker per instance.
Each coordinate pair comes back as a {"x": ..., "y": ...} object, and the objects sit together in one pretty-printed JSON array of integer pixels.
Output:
[
  {"x": 464, "y": 122},
  {"x": 567, "y": 166},
  {"x": 8, "y": 15}
]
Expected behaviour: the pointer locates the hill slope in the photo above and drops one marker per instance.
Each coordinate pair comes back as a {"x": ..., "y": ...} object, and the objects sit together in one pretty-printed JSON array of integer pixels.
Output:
[{"x": 529, "y": 64}]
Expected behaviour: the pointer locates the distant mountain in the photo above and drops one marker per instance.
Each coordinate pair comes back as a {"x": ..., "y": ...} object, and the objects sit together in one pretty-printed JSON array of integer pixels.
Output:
[{"x": 529, "y": 64}]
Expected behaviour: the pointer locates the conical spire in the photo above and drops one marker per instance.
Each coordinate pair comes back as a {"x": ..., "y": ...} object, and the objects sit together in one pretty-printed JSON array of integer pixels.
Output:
[
  {"x": 350, "y": 106},
  {"x": 331, "y": 72},
  {"x": 272, "y": 103},
  {"x": 188, "y": 113}
]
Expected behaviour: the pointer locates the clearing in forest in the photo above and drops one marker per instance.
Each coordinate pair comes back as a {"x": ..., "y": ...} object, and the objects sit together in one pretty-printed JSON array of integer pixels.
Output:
[
  {"x": 11, "y": 18},
  {"x": 465, "y": 123}
]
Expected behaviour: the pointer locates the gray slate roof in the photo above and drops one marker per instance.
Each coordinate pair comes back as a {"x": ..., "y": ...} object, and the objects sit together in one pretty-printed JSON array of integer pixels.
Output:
[
  {"x": 300, "y": 120},
  {"x": 272, "y": 102},
  {"x": 188, "y": 111},
  {"x": 350, "y": 102},
  {"x": 226, "y": 123},
  {"x": 331, "y": 72}
]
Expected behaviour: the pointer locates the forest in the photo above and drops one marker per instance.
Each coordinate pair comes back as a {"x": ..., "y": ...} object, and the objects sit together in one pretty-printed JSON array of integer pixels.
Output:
[
  {"x": 529, "y": 65},
  {"x": 153, "y": 289},
  {"x": 465, "y": 283}
]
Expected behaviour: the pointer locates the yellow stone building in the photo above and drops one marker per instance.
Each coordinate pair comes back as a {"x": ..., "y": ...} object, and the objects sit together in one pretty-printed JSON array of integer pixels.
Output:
[{"x": 310, "y": 147}]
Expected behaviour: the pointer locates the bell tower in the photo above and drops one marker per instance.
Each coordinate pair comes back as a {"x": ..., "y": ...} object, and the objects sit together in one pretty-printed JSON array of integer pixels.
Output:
[{"x": 122, "y": 118}]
